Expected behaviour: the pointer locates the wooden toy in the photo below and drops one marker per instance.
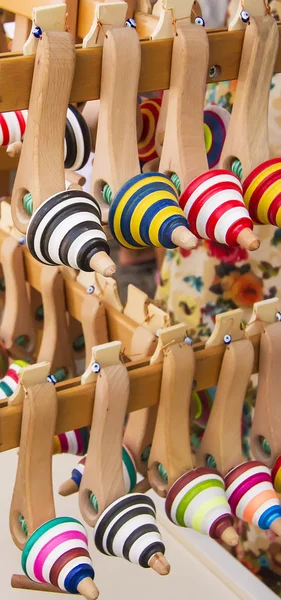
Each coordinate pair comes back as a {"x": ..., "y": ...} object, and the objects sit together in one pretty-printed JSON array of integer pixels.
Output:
[
  {"x": 248, "y": 484},
  {"x": 212, "y": 201},
  {"x": 246, "y": 148},
  {"x": 150, "y": 110},
  {"x": 194, "y": 497},
  {"x": 265, "y": 438},
  {"x": 73, "y": 243},
  {"x": 145, "y": 203},
  {"x": 55, "y": 550},
  {"x": 216, "y": 121},
  {"x": 102, "y": 488}
]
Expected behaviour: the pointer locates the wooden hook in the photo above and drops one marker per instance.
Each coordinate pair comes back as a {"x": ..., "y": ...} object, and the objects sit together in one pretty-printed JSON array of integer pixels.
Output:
[
  {"x": 183, "y": 149},
  {"x": 17, "y": 321},
  {"x": 94, "y": 325},
  {"x": 171, "y": 441},
  {"x": 116, "y": 157},
  {"x": 41, "y": 166},
  {"x": 28, "y": 377},
  {"x": 247, "y": 134},
  {"x": 33, "y": 491},
  {"x": 55, "y": 345},
  {"x": 222, "y": 437},
  {"x": 267, "y": 414},
  {"x": 105, "y": 288},
  {"x": 103, "y": 473}
]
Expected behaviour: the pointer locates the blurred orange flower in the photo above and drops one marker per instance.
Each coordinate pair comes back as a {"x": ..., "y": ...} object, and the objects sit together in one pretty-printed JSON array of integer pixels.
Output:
[{"x": 243, "y": 289}]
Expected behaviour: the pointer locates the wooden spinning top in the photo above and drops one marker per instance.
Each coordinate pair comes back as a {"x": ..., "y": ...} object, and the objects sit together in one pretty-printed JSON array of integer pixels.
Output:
[
  {"x": 198, "y": 500},
  {"x": 145, "y": 212},
  {"x": 57, "y": 553},
  {"x": 214, "y": 207},
  {"x": 127, "y": 529},
  {"x": 149, "y": 110},
  {"x": 72, "y": 442},
  {"x": 129, "y": 472},
  {"x": 262, "y": 193},
  {"x": 251, "y": 496},
  {"x": 66, "y": 230}
]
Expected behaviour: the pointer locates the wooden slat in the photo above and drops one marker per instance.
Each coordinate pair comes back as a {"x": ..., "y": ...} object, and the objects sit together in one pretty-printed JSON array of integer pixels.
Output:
[
  {"x": 75, "y": 402},
  {"x": 225, "y": 51}
]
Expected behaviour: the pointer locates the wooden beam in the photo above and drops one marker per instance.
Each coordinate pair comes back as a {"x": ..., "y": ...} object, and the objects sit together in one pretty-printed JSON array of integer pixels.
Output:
[
  {"x": 225, "y": 53},
  {"x": 75, "y": 401}
]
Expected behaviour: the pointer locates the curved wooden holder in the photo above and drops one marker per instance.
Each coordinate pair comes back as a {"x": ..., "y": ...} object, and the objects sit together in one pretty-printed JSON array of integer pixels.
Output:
[
  {"x": 171, "y": 440},
  {"x": 267, "y": 415},
  {"x": 222, "y": 437},
  {"x": 41, "y": 165},
  {"x": 33, "y": 491},
  {"x": 17, "y": 319},
  {"x": 247, "y": 135},
  {"x": 103, "y": 473},
  {"x": 29, "y": 377},
  {"x": 255, "y": 8},
  {"x": 94, "y": 325},
  {"x": 183, "y": 149},
  {"x": 264, "y": 313},
  {"x": 116, "y": 156},
  {"x": 55, "y": 345}
]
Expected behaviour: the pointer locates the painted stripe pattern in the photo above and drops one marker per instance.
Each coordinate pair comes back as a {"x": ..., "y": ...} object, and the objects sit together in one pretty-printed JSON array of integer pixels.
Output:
[
  {"x": 129, "y": 471},
  {"x": 127, "y": 528},
  {"x": 9, "y": 383},
  {"x": 262, "y": 193},
  {"x": 77, "y": 141},
  {"x": 251, "y": 495},
  {"x": 66, "y": 230},
  {"x": 150, "y": 111},
  {"x": 57, "y": 553},
  {"x": 145, "y": 212},
  {"x": 276, "y": 475},
  {"x": 216, "y": 121},
  {"x": 197, "y": 500},
  {"x": 12, "y": 126},
  {"x": 73, "y": 442},
  {"x": 214, "y": 207}
]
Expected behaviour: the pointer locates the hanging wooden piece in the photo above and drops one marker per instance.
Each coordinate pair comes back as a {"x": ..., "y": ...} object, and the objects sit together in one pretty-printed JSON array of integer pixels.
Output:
[
  {"x": 136, "y": 218},
  {"x": 29, "y": 376},
  {"x": 246, "y": 149},
  {"x": 194, "y": 497},
  {"x": 17, "y": 325},
  {"x": 102, "y": 490},
  {"x": 264, "y": 313},
  {"x": 248, "y": 484},
  {"x": 212, "y": 201},
  {"x": 55, "y": 345},
  {"x": 241, "y": 11},
  {"x": 94, "y": 325},
  {"x": 33, "y": 524},
  {"x": 55, "y": 235},
  {"x": 107, "y": 15}
]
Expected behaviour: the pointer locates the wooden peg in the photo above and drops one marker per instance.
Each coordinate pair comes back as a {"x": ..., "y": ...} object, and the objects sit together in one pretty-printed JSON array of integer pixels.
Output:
[
  {"x": 264, "y": 313},
  {"x": 29, "y": 377},
  {"x": 227, "y": 323},
  {"x": 48, "y": 18},
  {"x": 156, "y": 318},
  {"x": 94, "y": 325},
  {"x": 33, "y": 491},
  {"x": 17, "y": 321},
  {"x": 171, "y": 445},
  {"x": 105, "y": 355},
  {"x": 103, "y": 473},
  {"x": 107, "y": 15},
  {"x": 171, "y": 335},
  {"x": 267, "y": 415},
  {"x": 105, "y": 288},
  {"x": 169, "y": 13},
  {"x": 55, "y": 346},
  {"x": 116, "y": 157},
  {"x": 137, "y": 304},
  {"x": 255, "y": 8},
  {"x": 41, "y": 166},
  {"x": 247, "y": 134}
]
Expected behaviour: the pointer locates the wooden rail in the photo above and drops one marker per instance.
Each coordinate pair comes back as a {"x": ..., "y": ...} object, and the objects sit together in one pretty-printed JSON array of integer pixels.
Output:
[
  {"x": 75, "y": 401},
  {"x": 16, "y": 70}
]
